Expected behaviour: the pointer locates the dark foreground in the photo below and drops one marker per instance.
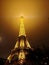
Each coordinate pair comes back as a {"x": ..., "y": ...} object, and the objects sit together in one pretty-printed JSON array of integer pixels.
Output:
[{"x": 36, "y": 57}]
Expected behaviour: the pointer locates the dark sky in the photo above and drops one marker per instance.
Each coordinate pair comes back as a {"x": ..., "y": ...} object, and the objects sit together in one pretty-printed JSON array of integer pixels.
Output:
[{"x": 36, "y": 21}]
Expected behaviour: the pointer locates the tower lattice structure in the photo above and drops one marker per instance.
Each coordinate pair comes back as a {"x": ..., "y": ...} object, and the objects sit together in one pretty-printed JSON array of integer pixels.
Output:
[{"x": 19, "y": 51}]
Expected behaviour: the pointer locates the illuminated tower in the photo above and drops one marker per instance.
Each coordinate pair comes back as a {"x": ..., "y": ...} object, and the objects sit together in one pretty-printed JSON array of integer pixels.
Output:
[{"x": 22, "y": 45}]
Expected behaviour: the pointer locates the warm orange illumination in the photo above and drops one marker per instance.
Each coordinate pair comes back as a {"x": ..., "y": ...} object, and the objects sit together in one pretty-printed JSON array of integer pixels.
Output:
[
  {"x": 27, "y": 44},
  {"x": 21, "y": 55},
  {"x": 22, "y": 29},
  {"x": 22, "y": 19},
  {"x": 16, "y": 45},
  {"x": 9, "y": 58},
  {"x": 22, "y": 44}
]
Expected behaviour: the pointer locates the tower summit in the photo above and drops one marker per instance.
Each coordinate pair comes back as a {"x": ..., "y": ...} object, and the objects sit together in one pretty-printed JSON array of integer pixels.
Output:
[
  {"x": 22, "y": 29},
  {"x": 22, "y": 36},
  {"x": 22, "y": 45}
]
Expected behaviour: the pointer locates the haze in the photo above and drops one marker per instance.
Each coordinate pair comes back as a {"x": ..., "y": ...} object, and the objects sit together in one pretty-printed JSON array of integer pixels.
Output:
[{"x": 36, "y": 21}]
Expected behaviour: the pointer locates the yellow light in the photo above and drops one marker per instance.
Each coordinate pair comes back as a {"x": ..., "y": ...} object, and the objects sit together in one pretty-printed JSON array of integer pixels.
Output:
[
  {"x": 22, "y": 18},
  {"x": 16, "y": 45},
  {"x": 22, "y": 44},
  {"x": 21, "y": 55},
  {"x": 22, "y": 28}
]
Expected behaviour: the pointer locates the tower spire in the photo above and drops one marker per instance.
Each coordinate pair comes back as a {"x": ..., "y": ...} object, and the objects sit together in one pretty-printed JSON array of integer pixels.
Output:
[{"x": 22, "y": 29}]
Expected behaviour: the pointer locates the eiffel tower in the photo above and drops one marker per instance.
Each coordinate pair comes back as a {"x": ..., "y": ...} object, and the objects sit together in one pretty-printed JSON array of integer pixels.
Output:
[{"x": 20, "y": 51}]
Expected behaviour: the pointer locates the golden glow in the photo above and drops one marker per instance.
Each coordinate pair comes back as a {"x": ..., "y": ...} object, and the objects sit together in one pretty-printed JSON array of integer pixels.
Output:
[
  {"x": 16, "y": 45},
  {"x": 21, "y": 61},
  {"x": 22, "y": 44},
  {"x": 22, "y": 29},
  {"x": 22, "y": 19},
  {"x": 21, "y": 55},
  {"x": 9, "y": 58},
  {"x": 35, "y": 13},
  {"x": 28, "y": 45}
]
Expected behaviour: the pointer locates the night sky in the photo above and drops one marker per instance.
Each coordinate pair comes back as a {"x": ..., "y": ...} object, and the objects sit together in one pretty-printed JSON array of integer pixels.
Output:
[{"x": 36, "y": 21}]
